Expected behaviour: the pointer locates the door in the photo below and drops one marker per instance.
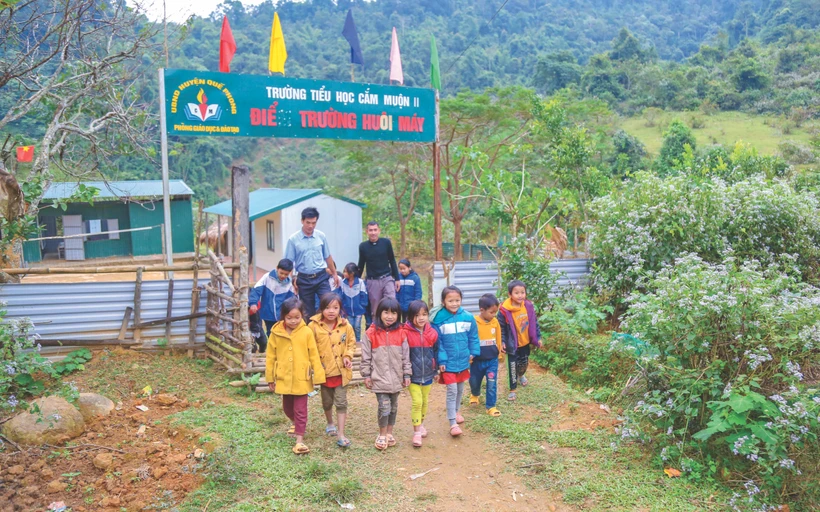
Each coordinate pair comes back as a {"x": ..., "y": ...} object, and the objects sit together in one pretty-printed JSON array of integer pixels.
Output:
[{"x": 73, "y": 225}]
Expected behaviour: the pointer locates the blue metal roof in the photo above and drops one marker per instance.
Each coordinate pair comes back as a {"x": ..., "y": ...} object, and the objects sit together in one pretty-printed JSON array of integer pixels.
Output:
[
  {"x": 119, "y": 189},
  {"x": 268, "y": 200}
]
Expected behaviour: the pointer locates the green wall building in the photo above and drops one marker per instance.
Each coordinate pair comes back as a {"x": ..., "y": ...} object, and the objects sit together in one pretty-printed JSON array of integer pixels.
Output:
[{"x": 119, "y": 205}]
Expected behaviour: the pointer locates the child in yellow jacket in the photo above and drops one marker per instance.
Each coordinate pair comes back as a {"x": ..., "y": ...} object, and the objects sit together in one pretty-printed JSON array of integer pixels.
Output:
[
  {"x": 336, "y": 342},
  {"x": 293, "y": 366}
]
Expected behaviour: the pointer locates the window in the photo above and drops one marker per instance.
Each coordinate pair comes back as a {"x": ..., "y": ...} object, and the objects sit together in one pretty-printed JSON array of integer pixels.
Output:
[
  {"x": 271, "y": 233},
  {"x": 93, "y": 226}
]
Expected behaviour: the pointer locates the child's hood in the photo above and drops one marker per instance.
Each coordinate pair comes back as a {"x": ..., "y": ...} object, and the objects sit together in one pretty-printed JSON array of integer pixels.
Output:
[
  {"x": 509, "y": 306},
  {"x": 340, "y": 322},
  {"x": 442, "y": 315}
]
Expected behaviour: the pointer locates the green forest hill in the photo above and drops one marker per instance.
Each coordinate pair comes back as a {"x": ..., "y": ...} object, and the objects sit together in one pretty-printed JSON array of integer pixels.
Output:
[{"x": 715, "y": 65}]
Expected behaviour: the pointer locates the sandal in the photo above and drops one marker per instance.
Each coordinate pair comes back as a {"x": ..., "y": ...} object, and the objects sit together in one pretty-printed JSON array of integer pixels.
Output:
[
  {"x": 423, "y": 431},
  {"x": 455, "y": 431},
  {"x": 381, "y": 443},
  {"x": 459, "y": 418},
  {"x": 391, "y": 441},
  {"x": 331, "y": 430},
  {"x": 343, "y": 442},
  {"x": 511, "y": 396},
  {"x": 473, "y": 400},
  {"x": 523, "y": 381},
  {"x": 493, "y": 411},
  {"x": 300, "y": 449},
  {"x": 417, "y": 439},
  {"x": 292, "y": 430}
]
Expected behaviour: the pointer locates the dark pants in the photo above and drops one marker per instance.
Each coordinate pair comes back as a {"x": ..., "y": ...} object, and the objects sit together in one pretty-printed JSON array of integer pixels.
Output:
[
  {"x": 311, "y": 289},
  {"x": 517, "y": 365},
  {"x": 268, "y": 327},
  {"x": 296, "y": 409}
]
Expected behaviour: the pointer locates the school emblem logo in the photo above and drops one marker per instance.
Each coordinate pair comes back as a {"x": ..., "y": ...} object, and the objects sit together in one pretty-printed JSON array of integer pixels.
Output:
[{"x": 202, "y": 111}]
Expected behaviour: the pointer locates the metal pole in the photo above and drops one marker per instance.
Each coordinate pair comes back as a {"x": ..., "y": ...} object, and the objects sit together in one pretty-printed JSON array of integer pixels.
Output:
[
  {"x": 437, "y": 190},
  {"x": 166, "y": 187}
]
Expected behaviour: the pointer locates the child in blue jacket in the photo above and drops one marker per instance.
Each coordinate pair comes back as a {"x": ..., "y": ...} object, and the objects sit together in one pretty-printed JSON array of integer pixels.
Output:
[
  {"x": 272, "y": 290},
  {"x": 410, "y": 287},
  {"x": 458, "y": 344},
  {"x": 355, "y": 302}
]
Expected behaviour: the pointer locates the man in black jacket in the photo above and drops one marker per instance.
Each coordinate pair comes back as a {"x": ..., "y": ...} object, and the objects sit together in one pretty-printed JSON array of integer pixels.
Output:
[{"x": 382, "y": 272}]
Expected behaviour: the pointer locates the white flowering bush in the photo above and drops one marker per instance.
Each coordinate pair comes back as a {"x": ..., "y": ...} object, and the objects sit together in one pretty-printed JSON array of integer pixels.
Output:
[
  {"x": 654, "y": 220},
  {"x": 22, "y": 368},
  {"x": 730, "y": 393}
]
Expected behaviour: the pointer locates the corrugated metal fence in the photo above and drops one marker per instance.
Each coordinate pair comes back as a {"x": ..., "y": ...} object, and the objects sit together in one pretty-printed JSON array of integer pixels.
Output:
[
  {"x": 475, "y": 278},
  {"x": 94, "y": 311}
]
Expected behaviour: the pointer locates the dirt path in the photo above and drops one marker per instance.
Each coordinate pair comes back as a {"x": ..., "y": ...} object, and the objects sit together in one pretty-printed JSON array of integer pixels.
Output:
[{"x": 472, "y": 474}]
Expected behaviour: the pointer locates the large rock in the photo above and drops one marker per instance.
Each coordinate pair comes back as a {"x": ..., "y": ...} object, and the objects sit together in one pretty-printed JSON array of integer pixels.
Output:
[
  {"x": 59, "y": 421},
  {"x": 94, "y": 406}
]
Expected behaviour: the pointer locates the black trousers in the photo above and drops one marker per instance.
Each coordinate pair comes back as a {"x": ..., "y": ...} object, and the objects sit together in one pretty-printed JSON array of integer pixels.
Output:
[{"x": 311, "y": 289}]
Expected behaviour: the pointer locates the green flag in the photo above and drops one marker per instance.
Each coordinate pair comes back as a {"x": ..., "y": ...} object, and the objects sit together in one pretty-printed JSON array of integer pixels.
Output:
[{"x": 435, "y": 69}]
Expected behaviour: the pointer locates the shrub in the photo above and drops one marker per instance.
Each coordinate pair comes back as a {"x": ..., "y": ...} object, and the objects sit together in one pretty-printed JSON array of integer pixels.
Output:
[
  {"x": 23, "y": 371},
  {"x": 658, "y": 220},
  {"x": 725, "y": 393},
  {"x": 521, "y": 260},
  {"x": 675, "y": 141}
]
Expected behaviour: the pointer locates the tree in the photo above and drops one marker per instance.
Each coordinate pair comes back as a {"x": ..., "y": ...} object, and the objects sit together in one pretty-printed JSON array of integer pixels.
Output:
[
  {"x": 401, "y": 168},
  {"x": 676, "y": 139},
  {"x": 472, "y": 125},
  {"x": 556, "y": 71},
  {"x": 76, "y": 67}
]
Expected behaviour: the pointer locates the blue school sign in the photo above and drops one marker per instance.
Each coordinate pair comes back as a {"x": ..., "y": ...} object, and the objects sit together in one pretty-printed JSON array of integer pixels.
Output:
[{"x": 202, "y": 103}]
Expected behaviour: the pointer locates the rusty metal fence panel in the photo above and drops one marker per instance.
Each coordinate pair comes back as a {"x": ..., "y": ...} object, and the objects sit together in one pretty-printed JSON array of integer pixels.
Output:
[
  {"x": 475, "y": 278},
  {"x": 94, "y": 311}
]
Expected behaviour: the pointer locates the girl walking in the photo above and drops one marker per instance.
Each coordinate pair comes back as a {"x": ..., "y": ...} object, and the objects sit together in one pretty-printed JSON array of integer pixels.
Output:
[
  {"x": 336, "y": 342},
  {"x": 458, "y": 344},
  {"x": 386, "y": 366},
  {"x": 423, "y": 341},
  {"x": 293, "y": 366}
]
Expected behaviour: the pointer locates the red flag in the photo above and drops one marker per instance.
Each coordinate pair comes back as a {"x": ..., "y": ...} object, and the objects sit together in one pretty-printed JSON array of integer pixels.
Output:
[
  {"x": 227, "y": 47},
  {"x": 25, "y": 153}
]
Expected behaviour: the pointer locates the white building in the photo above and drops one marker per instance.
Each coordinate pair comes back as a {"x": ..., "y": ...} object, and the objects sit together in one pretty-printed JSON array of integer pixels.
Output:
[{"x": 276, "y": 214}]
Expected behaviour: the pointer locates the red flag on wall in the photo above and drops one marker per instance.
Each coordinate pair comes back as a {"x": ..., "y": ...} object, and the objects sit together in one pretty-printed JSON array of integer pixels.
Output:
[
  {"x": 227, "y": 47},
  {"x": 25, "y": 153}
]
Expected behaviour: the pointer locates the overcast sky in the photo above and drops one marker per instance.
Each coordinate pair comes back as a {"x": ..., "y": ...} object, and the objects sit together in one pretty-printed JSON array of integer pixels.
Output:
[{"x": 179, "y": 10}]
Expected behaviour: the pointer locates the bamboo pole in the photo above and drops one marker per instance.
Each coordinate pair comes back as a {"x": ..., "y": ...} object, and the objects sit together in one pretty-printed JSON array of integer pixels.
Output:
[
  {"x": 223, "y": 353},
  {"x": 220, "y": 361},
  {"x": 214, "y": 339},
  {"x": 219, "y": 294},
  {"x": 168, "y": 312},
  {"x": 222, "y": 317},
  {"x": 221, "y": 269}
]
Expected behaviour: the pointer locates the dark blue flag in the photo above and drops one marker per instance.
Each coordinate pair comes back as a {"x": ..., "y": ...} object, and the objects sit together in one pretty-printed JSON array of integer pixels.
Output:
[{"x": 353, "y": 38}]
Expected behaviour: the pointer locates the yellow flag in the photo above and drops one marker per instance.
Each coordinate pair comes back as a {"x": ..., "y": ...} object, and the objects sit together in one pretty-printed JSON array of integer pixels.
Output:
[{"x": 278, "y": 52}]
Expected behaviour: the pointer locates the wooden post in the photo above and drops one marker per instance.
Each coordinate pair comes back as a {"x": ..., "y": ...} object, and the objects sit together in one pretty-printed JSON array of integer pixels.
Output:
[
  {"x": 219, "y": 235},
  {"x": 244, "y": 326},
  {"x": 211, "y": 321},
  {"x": 138, "y": 304},
  {"x": 195, "y": 290},
  {"x": 437, "y": 190},
  {"x": 240, "y": 204}
]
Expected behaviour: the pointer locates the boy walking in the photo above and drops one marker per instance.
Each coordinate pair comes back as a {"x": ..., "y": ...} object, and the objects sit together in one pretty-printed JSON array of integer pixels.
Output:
[
  {"x": 272, "y": 289},
  {"x": 486, "y": 364},
  {"x": 519, "y": 331}
]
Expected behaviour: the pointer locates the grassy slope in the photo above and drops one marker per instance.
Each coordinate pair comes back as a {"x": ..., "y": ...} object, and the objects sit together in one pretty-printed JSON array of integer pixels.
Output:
[{"x": 763, "y": 132}]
